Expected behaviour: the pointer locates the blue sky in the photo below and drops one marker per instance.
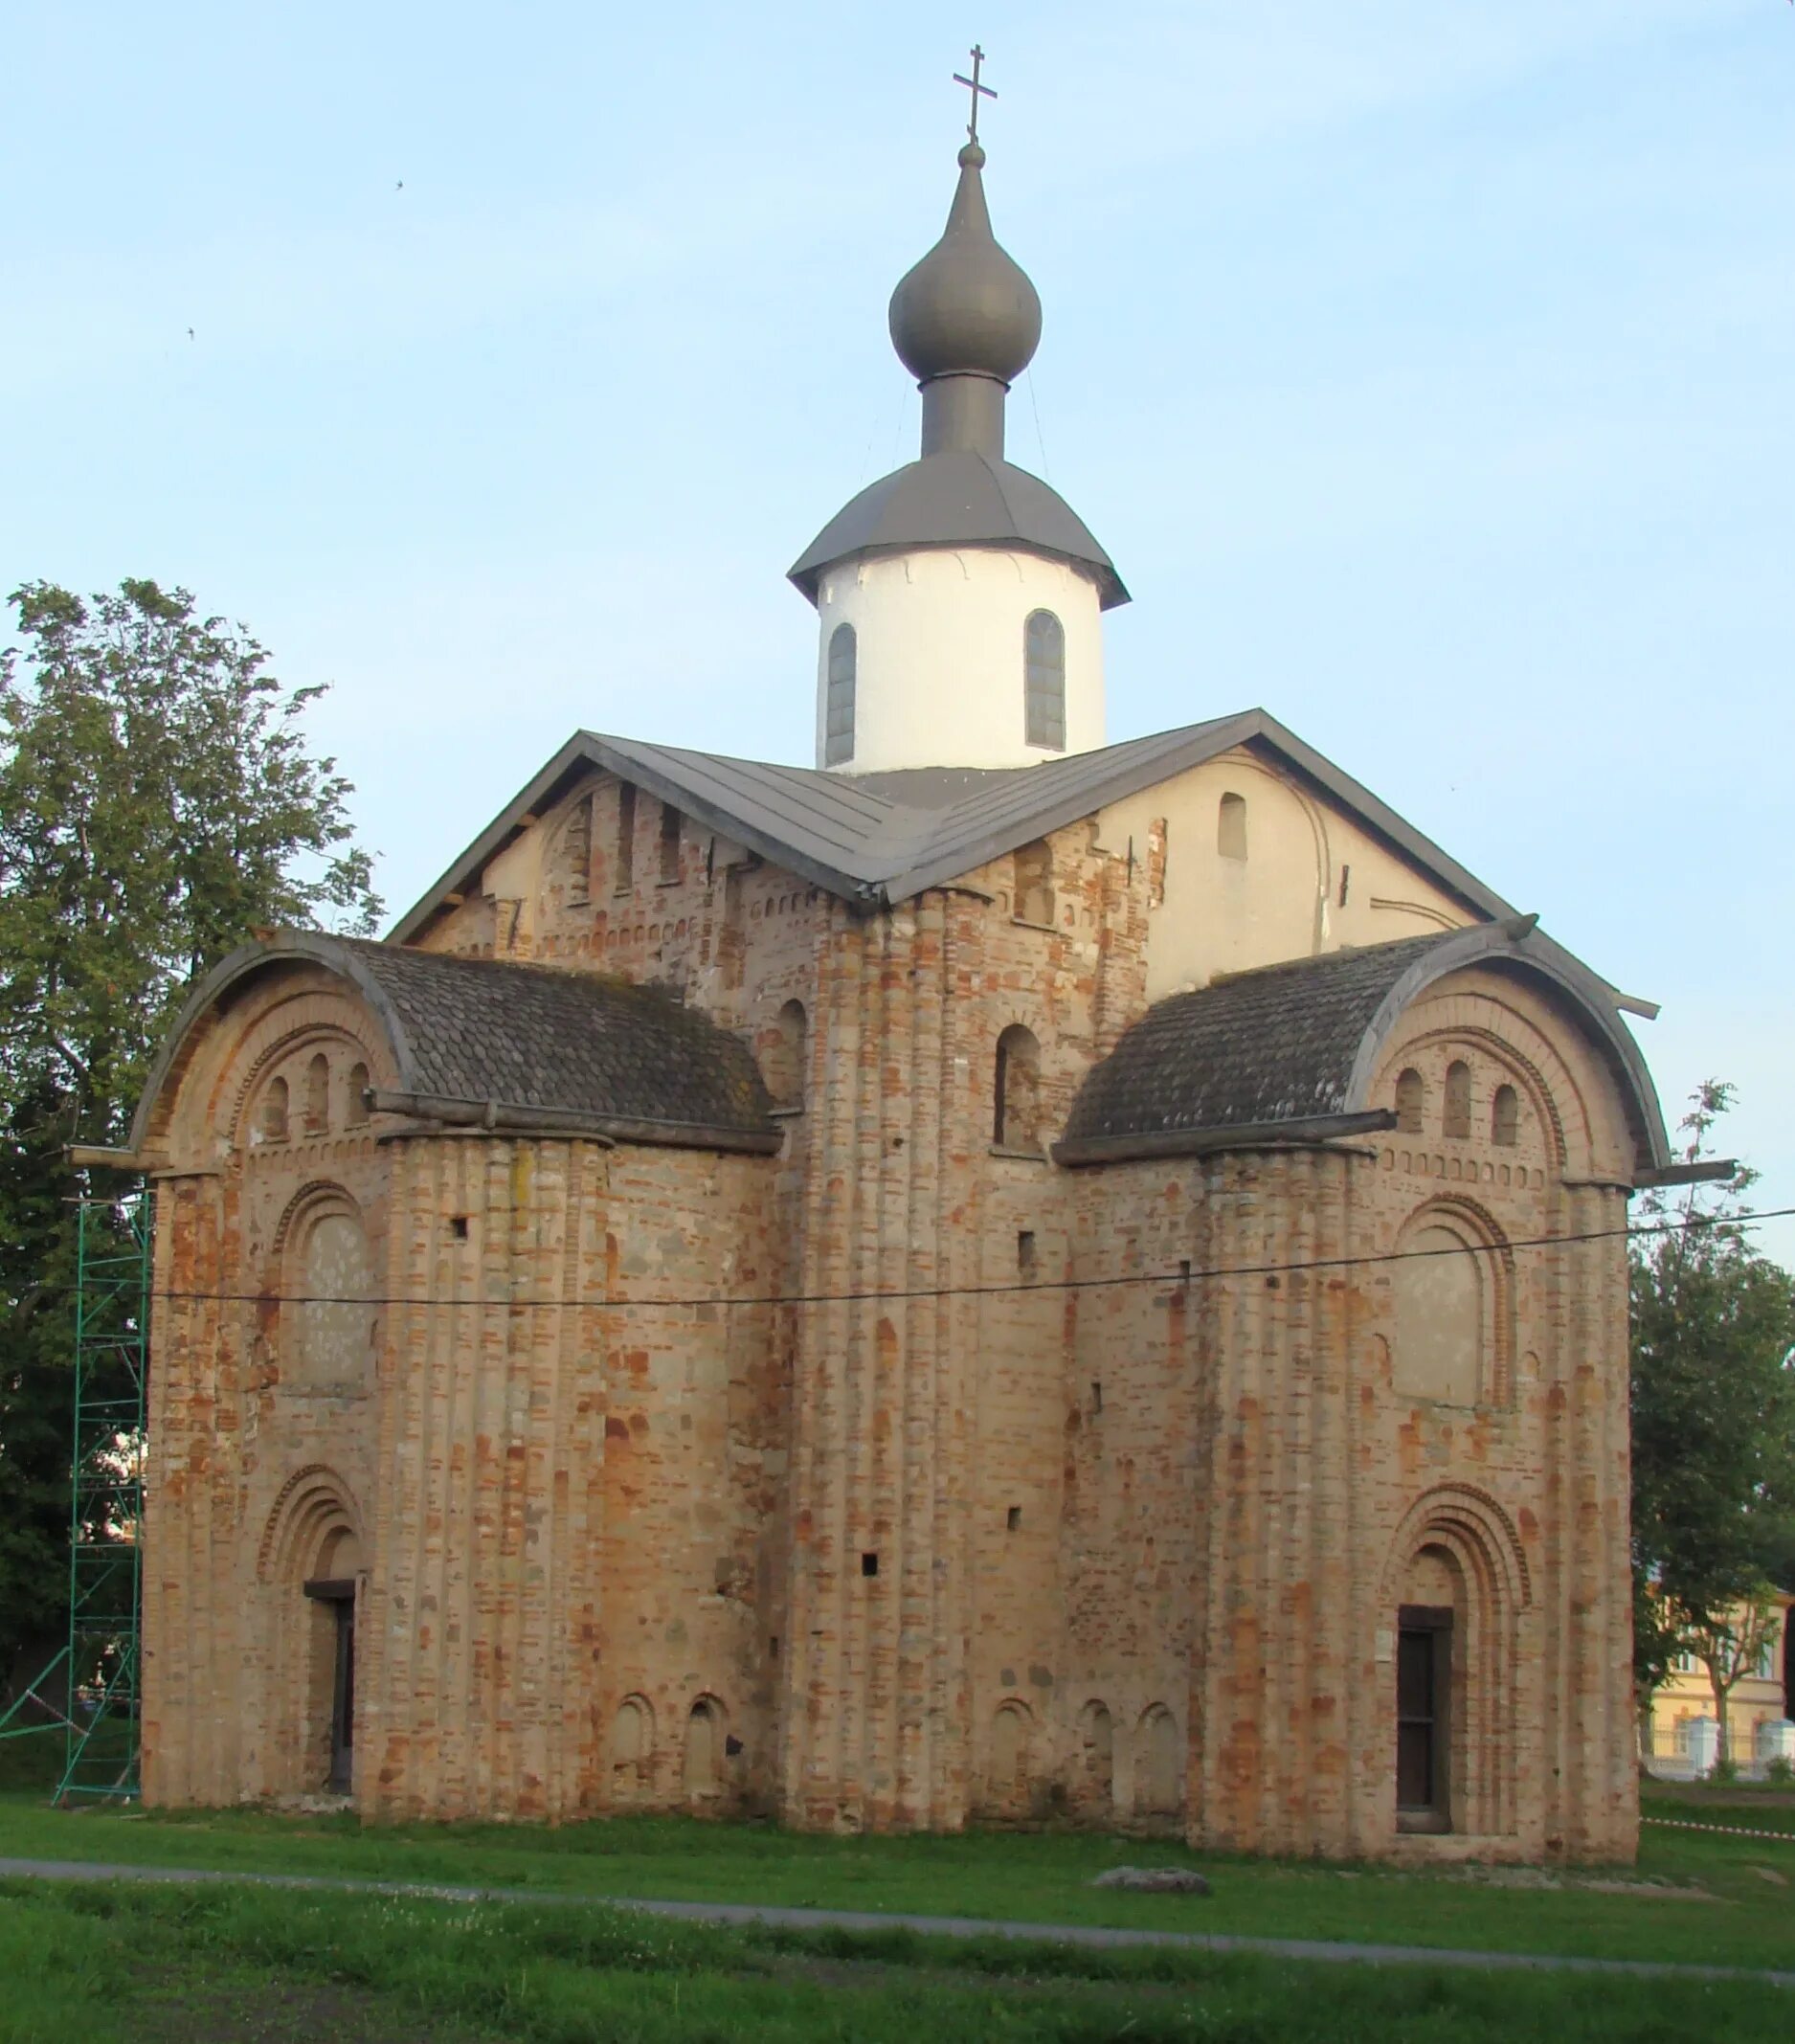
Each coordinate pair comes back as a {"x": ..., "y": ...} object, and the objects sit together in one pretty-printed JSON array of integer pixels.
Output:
[{"x": 1424, "y": 368}]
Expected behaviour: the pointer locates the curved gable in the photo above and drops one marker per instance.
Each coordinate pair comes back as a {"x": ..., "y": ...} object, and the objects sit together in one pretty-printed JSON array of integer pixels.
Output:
[
  {"x": 481, "y": 1034},
  {"x": 1290, "y": 1052}
]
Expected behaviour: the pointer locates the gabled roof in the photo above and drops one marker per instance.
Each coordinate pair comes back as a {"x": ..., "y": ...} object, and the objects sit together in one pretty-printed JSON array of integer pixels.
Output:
[
  {"x": 959, "y": 497},
  {"x": 1282, "y": 1053},
  {"x": 583, "y": 1046},
  {"x": 884, "y": 838}
]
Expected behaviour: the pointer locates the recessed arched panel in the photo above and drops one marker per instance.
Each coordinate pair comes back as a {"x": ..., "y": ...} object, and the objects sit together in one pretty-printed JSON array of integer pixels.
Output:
[
  {"x": 1159, "y": 1765},
  {"x": 1439, "y": 1317}
]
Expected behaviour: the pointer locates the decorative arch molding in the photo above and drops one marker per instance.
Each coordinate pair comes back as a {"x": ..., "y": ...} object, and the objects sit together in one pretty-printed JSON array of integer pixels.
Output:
[
  {"x": 316, "y": 1195},
  {"x": 1480, "y": 1523},
  {"x": 272, "y": 959},
  {"x": 1515, "y": 948},
  {"x": 1519, "y": 1066},
  {"x": 1471, "y": 1534},
  {"x": 1455, "y": 1213},
  {"x": 311, "y": 1504}
]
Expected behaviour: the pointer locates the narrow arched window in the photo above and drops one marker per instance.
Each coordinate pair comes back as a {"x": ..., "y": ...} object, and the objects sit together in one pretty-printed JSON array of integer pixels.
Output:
[
  {"x": 575, "y": 860},
  {"x": 1505, "y": 1117},
  {"x": 1016, "y": 1122},
  {"x": 317, "y": 1096},
  {"x": 784, "y": 1055},
  {"x": 1456, "y": 1115},
  {"x": 1411, "y": 1102},
  {"x": 1034, "y": 883},
  {"x": 1231, "y": 827},
  {"x": 837, "y": 743},
  {"x": 357, "y": 1113},
  {"x": 273, "y": 1111},
  {"x": 1044, "y": 681}
]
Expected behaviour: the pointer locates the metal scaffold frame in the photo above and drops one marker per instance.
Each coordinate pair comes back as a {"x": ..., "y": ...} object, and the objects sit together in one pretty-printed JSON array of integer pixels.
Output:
[{"x": 98, "y": 1670}]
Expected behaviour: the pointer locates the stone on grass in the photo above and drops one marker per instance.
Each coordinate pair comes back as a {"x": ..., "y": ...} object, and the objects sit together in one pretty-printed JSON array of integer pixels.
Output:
[{"x": 1154, "y": 1880}]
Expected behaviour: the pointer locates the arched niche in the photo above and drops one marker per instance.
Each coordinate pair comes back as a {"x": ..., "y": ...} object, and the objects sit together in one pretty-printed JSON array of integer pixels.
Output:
[
  {"x": 1007, "y": 1766},
  {"x": 1159, "y": 1765},
  {"x": 1452, "y": 1286},
  {"x": 706, "y": 1732},
  {"x": 1093, "y": 1787},
  {"x": 632, "y": 1750},
  {"x": 784, "y": 1054},
  {"x": 328, "y": 1286}
]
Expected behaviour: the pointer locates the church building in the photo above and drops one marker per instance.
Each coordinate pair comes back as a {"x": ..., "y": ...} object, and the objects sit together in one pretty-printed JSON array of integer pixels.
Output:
[{"x": 999, "y": 1276}]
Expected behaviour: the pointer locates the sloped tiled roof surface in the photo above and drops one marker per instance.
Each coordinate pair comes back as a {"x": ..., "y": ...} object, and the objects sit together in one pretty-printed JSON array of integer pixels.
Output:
[
  {"x": 1271, "y": 1046},
  {"x": 884, "y": 838},
  {"x": 529, "y": 1036}
]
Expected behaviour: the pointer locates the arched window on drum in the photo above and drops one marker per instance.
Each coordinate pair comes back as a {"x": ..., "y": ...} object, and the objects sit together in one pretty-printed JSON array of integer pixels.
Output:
[
  {"x": 837, "y": 743},
  {"x": 1044, "y": 681}
]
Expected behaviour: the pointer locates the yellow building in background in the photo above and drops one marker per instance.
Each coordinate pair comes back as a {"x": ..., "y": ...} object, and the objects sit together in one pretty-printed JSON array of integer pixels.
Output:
[{"x": 1760, "y": 1698}]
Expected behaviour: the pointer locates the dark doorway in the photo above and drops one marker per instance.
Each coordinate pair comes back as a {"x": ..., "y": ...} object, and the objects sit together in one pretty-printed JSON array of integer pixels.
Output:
[
  {"x": 1424, "y": 1686},
  {"x": 338, "y": 1594}
]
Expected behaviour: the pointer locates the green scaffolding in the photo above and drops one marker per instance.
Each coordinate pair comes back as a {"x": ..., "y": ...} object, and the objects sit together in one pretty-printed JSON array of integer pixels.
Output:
[{"x": 90, "y": 1691}]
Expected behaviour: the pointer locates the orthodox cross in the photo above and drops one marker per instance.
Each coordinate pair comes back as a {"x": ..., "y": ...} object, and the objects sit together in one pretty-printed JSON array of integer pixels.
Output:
[{"x": 972, "y": 86}]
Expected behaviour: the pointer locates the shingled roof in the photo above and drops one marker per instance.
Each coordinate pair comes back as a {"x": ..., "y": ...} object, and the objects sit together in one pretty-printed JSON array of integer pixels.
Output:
[
  {"x": 576, "y": 1048},
  {"x": 878, "y": 839},
  {"x": 1287, "y": 1053}
]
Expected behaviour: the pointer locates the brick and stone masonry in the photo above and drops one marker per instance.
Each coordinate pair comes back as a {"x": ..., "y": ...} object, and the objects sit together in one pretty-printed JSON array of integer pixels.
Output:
[{"x": 904, "y": 1364}]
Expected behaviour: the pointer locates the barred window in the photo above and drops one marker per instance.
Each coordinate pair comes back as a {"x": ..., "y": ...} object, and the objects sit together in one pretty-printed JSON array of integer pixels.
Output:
[
  {"x": 1044, "y": 681},
  {"x": 838, "y": 745}
]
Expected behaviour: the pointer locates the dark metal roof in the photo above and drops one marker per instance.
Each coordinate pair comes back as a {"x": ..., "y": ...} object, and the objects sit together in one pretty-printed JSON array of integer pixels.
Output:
[
  {"x": 574, "y": 1043},
  {"x": 958, "y": 498},
  {"x": 1299, "y": 1044},
  {"x": 882, "y": 838}
]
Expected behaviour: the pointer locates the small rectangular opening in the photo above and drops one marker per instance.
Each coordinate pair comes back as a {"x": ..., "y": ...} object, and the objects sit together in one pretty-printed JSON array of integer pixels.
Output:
[
  {"x": 458, "y": 1226},
  {"x": 1026, "y": 1251},
  {"x": 869, "y": 1564},
  {"x": 1014, "y": 1518},
  {"x": 1096, "y": 1395},
  {"x": 772, "y": 1646},
  {"x": 1183, "y": 1269},
  {"x": 669, "y": 841}
]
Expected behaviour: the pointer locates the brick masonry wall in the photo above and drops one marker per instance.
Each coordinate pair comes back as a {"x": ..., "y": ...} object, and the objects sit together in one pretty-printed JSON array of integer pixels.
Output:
[{"x": 1003, "y": 1514}]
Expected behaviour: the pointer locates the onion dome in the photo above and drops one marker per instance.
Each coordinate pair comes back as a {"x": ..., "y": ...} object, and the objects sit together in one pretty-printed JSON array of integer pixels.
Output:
[{"x": 968, "y": 307}]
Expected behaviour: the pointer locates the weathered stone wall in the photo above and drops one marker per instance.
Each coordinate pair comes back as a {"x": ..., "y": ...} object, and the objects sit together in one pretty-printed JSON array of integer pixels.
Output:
[
  {"x": 1043, "y": 1489},
  {"x": 553, "y": 1503}
]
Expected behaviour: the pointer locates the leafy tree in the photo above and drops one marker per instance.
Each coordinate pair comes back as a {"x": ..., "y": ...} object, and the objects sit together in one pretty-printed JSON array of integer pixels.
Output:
[
  {"x": 1713, "y": 1425},
  {"x": 158, "y": 803}
]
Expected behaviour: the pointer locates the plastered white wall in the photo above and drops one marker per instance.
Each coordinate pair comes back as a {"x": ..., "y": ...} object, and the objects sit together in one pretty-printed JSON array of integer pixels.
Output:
[
  {"x": 939, "y": 632},
  {"x": 1283, "y": 900}
]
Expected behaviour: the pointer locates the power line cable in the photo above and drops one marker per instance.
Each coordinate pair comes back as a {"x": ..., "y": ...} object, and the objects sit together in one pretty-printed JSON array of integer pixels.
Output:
[{"x": 1183, "y": 1275}]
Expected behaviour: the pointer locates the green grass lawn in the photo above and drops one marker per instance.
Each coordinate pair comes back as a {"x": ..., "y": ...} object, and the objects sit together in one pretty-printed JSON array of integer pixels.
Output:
[
  {"x": 1727, "y": 1911},
  {"x": 111, "y": 1964}
]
